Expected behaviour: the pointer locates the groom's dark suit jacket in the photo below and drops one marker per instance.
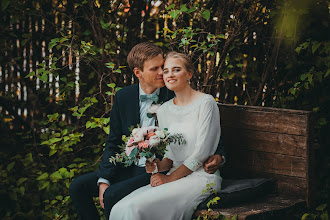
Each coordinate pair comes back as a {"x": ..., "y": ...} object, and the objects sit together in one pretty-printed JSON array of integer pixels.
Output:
[{"x": 125, "y": 113}]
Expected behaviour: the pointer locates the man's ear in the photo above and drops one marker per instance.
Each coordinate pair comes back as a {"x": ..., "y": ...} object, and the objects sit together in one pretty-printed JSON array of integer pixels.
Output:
[{"x": 137, "y": 72}]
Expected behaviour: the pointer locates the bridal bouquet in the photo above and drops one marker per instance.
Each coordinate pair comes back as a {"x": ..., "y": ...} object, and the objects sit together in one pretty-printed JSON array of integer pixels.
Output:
[{"x": 145, "y": 142}]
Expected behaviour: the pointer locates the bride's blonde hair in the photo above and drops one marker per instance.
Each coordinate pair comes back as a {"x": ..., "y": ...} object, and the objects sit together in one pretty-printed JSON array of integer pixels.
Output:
[{"x": 188, "y": 64}]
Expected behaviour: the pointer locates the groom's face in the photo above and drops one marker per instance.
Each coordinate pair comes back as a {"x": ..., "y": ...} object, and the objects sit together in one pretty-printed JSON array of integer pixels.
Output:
[{"x": 151, "y": 77}]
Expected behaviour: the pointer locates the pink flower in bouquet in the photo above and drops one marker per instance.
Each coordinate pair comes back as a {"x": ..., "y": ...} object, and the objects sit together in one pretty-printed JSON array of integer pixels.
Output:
[
  {"x": 143, "y": 144},
  {"x": 154, "y": 141},
  {"x": 152, "y": 128},
  {"x": 150, "y": 134},
  {"x": 130, "y": 142},
  {"x": 128, "y": 150}
]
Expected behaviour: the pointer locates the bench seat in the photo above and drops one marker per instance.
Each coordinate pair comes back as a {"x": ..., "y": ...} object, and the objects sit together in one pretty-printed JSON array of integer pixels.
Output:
[
  {"x": 270, "y": 207},
  {"x": 267, "y": 143}
]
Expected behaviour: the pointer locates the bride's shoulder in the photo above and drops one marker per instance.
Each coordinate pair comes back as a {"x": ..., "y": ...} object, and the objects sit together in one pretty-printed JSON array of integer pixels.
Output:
[
  {"x": 207, "y": 101},
  {"x": 208, "y": 98}
]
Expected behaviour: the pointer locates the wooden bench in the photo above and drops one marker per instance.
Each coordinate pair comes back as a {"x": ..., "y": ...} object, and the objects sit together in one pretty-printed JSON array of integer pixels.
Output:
[{"x": 270, "y": 143}]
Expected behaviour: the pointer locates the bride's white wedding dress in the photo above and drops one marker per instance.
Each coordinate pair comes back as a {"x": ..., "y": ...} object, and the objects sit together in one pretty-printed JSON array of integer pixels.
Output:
[{"x": 199, "y": 122}]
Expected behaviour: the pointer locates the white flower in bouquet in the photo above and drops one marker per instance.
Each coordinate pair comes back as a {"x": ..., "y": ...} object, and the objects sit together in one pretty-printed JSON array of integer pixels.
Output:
[
  {"x": 145, "y": 130},
  {"x": 154, "y": 141},
  {"x": 135, "y": 130},
  {"x": 153, "y": 109},
  {"x": 160, "y": 134},
  {"x": 139, "y": 136}
]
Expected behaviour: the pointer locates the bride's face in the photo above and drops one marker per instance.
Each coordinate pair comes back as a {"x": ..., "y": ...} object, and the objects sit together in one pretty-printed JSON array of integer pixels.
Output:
[{"x": 175, "y": 74}]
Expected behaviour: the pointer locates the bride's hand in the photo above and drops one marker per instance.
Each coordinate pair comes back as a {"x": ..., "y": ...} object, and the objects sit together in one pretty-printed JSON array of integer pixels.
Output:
[
  {"x": 151, "y": 166},
  {"x": 159, "y": 179}
]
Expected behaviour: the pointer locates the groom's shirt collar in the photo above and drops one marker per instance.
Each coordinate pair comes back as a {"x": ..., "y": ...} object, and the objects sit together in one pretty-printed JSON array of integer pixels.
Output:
[{"x": 141, "y": 92}]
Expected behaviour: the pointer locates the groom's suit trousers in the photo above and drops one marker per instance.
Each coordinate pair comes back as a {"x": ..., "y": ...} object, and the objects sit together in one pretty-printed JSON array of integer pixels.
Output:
[{"x": 84, "y": 188}]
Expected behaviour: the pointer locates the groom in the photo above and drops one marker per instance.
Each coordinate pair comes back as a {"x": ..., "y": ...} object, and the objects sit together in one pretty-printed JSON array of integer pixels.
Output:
[{"x": 130, "y": 107}]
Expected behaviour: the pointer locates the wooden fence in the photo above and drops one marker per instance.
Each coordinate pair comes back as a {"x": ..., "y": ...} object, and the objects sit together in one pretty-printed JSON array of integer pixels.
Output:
[{"x": 23, "y": 98}]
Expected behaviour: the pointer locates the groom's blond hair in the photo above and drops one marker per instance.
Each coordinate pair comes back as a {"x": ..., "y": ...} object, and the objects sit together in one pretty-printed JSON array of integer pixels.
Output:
[{"x": 142, "y": 52}]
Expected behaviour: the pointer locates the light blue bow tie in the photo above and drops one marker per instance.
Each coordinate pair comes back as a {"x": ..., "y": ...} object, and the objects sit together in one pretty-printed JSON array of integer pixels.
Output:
[{"x": 153, "y": 97}]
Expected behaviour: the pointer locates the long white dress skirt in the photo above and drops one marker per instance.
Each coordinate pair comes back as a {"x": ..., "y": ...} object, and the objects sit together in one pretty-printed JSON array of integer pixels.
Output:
[{"x": 171, "y": 201}]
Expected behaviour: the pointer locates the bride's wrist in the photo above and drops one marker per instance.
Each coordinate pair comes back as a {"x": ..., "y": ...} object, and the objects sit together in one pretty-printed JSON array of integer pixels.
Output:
[{"x": 172, "y": 177}]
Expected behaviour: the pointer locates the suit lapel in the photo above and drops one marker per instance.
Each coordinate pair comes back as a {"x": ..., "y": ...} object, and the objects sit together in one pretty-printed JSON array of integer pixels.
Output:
[{"x": 136, "y": 105}]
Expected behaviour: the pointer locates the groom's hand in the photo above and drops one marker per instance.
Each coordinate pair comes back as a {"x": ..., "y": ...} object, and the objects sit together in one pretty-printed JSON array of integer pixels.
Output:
[
  {"x": 212, "y": 164},
  {"x": 151, "y": 166},
  {"x": 102, "y": 188}
]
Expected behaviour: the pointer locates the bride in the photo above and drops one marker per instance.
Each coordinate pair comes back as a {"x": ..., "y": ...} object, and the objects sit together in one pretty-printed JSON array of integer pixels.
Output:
[{"x": 195, "y": 115}]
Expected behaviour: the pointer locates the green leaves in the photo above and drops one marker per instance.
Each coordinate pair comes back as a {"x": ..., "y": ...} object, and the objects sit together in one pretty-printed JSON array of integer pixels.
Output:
[
  {"x": 111, "y": 85},
  {"x": 43, "y": 176},
  {"x": 213, "y": 201},
  {"x": 105, "y": 26},
  {"x": 10, "y": 166},
  {"x": 315, "y": 46},
  {"x": 86, "y": 103},
  {"x": 106, "y": 130},
  {"x": 21, "y": 180},
  {"x": 56, "y": 176},
  {"x": 302, "y": 46},
  {"x": 191, "y": 10},
  {"x": 170, "y": 7},
  {"x": 43, "y": 71},
  {"x": 53, "y": 117},
  {"x": 60, "y": 174},
  {"x": 206, "y": 14},
  {"x": 27, "y": 160},
  {"x": 322, "y": 207},
  {"x": 58, "y": 42},
  {"x": 174, "y": 14},
  {"x": 320, "y": 212},
  {"x": 89, "y": 124},
  {"x": 4, "y": 4},
  {"x": 53, "y": 42},
  {"x": 183, "y": 8},
  {"x": 97, "y": 122},
  {"x": 110, "y": 65},
  {"x": 32, "y": 73},
  {"x": 89, "y": 49}
]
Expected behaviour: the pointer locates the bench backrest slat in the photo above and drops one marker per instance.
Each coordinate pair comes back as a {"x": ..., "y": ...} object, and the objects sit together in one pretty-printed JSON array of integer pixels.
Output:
[{"x": 268, "y": 142}]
